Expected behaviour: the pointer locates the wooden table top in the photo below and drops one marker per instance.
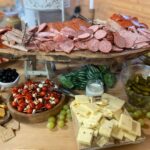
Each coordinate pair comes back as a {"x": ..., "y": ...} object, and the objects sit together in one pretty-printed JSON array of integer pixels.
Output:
[{"x": 38, "y": 137}]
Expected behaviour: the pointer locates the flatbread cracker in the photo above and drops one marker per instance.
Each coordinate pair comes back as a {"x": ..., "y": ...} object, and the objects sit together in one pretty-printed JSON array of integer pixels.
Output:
[
  {"x": 13, "y": 124},
  {"x": 6, "y": 134}
]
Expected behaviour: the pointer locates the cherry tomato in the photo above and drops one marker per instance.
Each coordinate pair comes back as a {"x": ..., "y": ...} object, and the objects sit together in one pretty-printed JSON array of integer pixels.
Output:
[
  {"x": 56, "y": 100},
  {"x": 15, "y": 90},
  {"x": 19, "y": 96},
  {"x": 48, "y": 106},
  {"x": 28, "y": 96},
  {"x": 23, "y": 104},
  {"x": 46, "y": 98},
  {"x": 44, "y": 88},
  {"x": 38, "y": 106},
  {"x": 32, "y": 105},
  {"x": 25, "y": 91},
  {"x": 14, "y": 104},
  {"x": 20, "y": 108},
  {"x": 43, "y": 93},
  {"x": 29, "y": 111}
]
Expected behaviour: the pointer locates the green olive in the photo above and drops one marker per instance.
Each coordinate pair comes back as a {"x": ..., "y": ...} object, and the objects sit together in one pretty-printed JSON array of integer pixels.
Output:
[
  {"x": 141, "y": 121},
  {"x": 148, "y": 115}
]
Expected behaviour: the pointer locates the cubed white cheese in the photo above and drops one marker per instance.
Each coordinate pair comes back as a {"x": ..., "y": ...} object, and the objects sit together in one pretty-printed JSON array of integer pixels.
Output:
[
  {"x": 106, "y": 128},
  {"x": 92, "y": 107},
  {"x": 85, "y": 136},
  {"x": 117, "y": 133},
  {"x": 129, "y": 136},
  {"x": 82, "y": 99},
  {"x": 136, "y": 128},
  {"x": 102, "y": 141}
]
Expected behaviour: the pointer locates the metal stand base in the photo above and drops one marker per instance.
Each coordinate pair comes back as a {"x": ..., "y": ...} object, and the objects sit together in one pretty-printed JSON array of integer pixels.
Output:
[{"x": 30, "y": 66}]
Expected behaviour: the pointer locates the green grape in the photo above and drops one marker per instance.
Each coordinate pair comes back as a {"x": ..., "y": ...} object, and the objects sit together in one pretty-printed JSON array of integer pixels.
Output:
[
  {"x": 148, "y": 115},
  {"x": 69, "y": 117},
  {"x": 52, "y": 119},
  {"x": 136, "y": 115},
  {"x": 144, "y": 111},
  {"x": 61, "y": 117},
  {"x": 68, "y": 111},
  {"x": 51, "y": 125},
  {"x": 141, "y": 121},
  {"x": 65, "y": 107},
  {"x": 61, "y": 123},
  {"x": 63, "y": 112}
]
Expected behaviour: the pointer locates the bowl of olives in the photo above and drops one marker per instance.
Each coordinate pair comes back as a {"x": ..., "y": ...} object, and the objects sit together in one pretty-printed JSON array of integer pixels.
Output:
[
  {"x": 136, "y": 79},
  {"x": 8, "y": 78}
]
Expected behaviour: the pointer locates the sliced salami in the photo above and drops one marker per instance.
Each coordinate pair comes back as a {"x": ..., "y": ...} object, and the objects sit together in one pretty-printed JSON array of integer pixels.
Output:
[
  {"x": 93, "y": 45},
  {"x": 46, "y": 34},
  {"x": 81, "y": 45},
  {"x": 60, "y": 38},
  {"x": 84, "y": 36},
  {"x": 100, "y": 34},
  {"x": 94, "y": 28},
  {"x": 67, "y": 46},
  {"x": 141, "y": 45},
  {"x": 105, "y": 46},
  {"x": 117, "y": 49},
  {"x": 119, "y": 40}
]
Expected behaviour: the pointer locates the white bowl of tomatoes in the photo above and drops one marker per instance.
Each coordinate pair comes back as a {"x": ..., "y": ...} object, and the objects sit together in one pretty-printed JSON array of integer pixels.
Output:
[{"x": 34, "y": 102}]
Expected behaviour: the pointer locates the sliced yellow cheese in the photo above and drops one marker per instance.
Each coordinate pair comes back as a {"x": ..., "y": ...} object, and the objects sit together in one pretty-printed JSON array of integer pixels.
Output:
[
  {"x": 129, "y": 136},
  {"x": 106, "y": 128},
  {"x": 125, "y": 122},
  {"x": 82, "y": 99},
  {"x": 92, "y": 121},
  {"x": 114, "y": 102},
  {"x": 136, "y": 128},
  {"x": 117, "y": 133},
  {"x": 102, "y": 141},
  {"x": 85, "y": 136},
  {"x": 117, "y": 114}
]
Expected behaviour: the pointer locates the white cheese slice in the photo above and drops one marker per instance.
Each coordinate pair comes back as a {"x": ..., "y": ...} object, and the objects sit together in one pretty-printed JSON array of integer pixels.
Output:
[
  {"x": 85, "y": 136},
  {"x": 107, "y": 113},
  {"x": 106, "y": 128},
  {"x": 117, "y": 114},
  {"x": 136, "y": 128},
  {"x": 80, "y": 119},
  {"x": 92, "y": 121},
  {"x": 129, "y": 136},
  {"x": 102, "y": 141},
  {"x": 125, "y": 122},
  {"x": 102, "y": 102},
  {"x": 114, "y": 102},
  {"x": 96, "y": 132},
  {"x": 117, "y": 133},
  {"x": 82, "y": 99},
  {"x": 92, "y": 107}
]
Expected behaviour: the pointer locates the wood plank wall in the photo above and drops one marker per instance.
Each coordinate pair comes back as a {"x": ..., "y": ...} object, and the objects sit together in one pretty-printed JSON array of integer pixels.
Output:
[{"x": 105, "y": 8}]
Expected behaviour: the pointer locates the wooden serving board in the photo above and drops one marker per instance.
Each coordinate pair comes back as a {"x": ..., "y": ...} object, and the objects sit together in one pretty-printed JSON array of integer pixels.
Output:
[
  {"x": 95, "y": 147},
  {"x": 77, "y": 55}
]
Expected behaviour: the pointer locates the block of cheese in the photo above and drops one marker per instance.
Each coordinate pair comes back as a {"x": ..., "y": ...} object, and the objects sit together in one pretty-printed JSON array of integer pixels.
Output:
[
  {"x": 96, "y": 132},
  {"x": 117, "y": 133},
  {"x": 2, "y": 112},
  {"x": 107, "y": 113},
  {"x": 92, "y": 107},
  {"x": 85, "y": 136},
  {"x": 129, "y": 136},
  {"x": 93, "y": 120},
  {"x": 125, "y": 122},
  {"x": 102, "y": 102},
  {"x": 80, "y": 119},
  {"x": 136, "y": 128},
  {"x": 106, "y": 128},
  {"x": 114, "y": 102},
  {"x": 102, "y": 141},
  {"x": 82, "y": 99}
]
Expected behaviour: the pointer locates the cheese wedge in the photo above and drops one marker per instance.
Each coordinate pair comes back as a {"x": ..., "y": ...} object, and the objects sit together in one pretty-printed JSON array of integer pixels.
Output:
[
  {"x": 117, "y": 133},
  {"x": 106, "y": 128},
  {"x": 102, "y": 141},
  {"x": 2, "y": 112},
  {"x": 92, "y": 121},
  {"x": 125, "y": 123},
  {"x": 85, "y": 136},
  {"x": 136, "y": 128},
  {"x": 82, "y": 99},
  {"x": 129, "y": 136}
]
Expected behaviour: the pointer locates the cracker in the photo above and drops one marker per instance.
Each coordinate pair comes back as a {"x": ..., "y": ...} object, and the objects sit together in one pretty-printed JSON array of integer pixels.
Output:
[
  {"x": 6, "y": 134},
  {"x": 13, "y": 124}
]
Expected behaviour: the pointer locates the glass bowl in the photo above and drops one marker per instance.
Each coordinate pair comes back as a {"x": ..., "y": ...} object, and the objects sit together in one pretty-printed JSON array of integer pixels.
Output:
[{"x": 138, "y": 99}]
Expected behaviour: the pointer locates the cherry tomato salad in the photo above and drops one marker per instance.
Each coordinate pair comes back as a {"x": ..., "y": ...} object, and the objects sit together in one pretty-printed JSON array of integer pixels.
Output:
[{"x": 34, "y": 97}]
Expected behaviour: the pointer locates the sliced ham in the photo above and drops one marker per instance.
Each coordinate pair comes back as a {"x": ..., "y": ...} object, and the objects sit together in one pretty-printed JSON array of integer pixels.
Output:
[
  {"x": 141, "y": 39},
  {"x": 46, "y": 34},
  {"x": 119, "y": 40},
  {"x": 67, "y": 46},
  {"x": 93, "y": 45},
  {"x": 33, "y": 29},
  {"x": 94, "y": 28},
  {"x": 105, "y": 46},
  {"x": 69, "y": 32},
  {"x": 60, "y": 38},
  {"x": 42, "y": 27},
  {"x": 100, "y": 34},
  {"x": 142, "y": 32},
  {"x": 81, "y": 45},
  {"x": 141, "y": 45}
]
